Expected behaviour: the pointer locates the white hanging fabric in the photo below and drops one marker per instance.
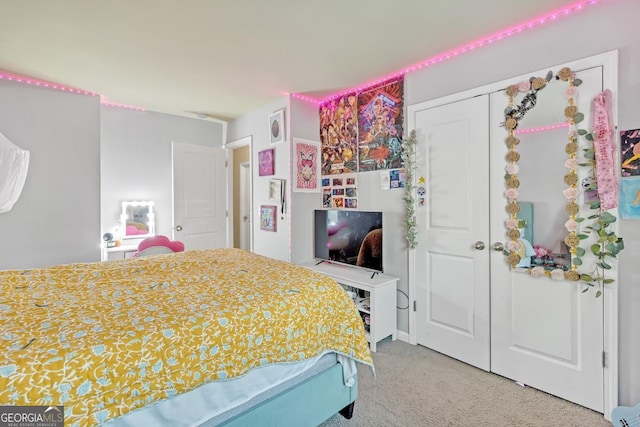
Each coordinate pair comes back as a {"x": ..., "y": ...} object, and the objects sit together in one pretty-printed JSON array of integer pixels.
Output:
[{"x": 14, "y": 164}]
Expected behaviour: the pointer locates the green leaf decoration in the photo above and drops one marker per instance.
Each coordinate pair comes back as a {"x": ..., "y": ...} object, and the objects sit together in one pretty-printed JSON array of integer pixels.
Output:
[
  {"x": 582, "y": 236},
  {"x": 595, "y": 204},
  {"x": 589, "y": 137},
  {"x": 598, "y": 293},
  {"x": 604, "y": 265},
  {"x": 607, "y": 218},
  {"x": 579, "y": 117},
  {"x": 577, "y": 261},
  {"x": 582, "y": 132},
  {"x": 585, "y": 278},
  {"x": 580, "y": 251},
  {"x": 590, "y": 154},
  {"x": 577, "y": 82},
  {"x": 608, "y": 281}
]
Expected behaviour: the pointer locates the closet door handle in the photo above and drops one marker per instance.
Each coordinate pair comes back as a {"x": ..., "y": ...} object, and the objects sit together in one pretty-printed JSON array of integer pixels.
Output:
[
  {"x": 178, "y": 228},
  {"x": 497, "y": 246},
  {"x": 479, "y": 245}
]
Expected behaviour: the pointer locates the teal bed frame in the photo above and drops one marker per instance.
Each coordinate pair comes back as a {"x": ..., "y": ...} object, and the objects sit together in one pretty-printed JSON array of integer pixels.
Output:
[{"x": 309, "y": 403}]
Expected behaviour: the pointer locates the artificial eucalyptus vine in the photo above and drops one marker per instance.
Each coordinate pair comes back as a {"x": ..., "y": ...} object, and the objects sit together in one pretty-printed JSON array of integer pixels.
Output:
[{"x": 408, "y": 158}]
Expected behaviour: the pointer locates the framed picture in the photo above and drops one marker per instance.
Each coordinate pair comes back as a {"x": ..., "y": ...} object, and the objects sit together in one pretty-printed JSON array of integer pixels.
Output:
[
  {"x": 268, "y": 218},
  {"x": 276, "y": 189},
  {"x": 306, "y": 166},
  {"x": 266, "y": 162},
  {"x": 277, "y": 127}
]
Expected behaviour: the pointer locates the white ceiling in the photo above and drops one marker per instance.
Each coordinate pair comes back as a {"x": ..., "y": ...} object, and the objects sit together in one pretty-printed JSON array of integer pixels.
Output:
[{"x": 225, "y": 58}]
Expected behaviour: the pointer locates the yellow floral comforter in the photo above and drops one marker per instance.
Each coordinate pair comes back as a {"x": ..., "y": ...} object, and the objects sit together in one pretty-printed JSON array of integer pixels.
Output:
[{"x": 104, "y": 339}]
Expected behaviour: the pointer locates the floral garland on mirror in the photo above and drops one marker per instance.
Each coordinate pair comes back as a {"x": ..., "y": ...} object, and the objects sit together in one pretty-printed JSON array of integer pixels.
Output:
[{"x": 608, "y": 243}]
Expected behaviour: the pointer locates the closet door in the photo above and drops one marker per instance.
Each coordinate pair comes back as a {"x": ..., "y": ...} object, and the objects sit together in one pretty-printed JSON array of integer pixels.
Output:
[
  {"x": 452, "y": 259},
  {"x": 544, "y": 333}
]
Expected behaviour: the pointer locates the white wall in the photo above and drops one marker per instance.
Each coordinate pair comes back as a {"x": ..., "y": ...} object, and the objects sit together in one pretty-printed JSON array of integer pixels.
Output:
[
  {"x": 135, "y": 159},
  {"x": 607, "y": 26},
  {"x": 305, "y": 122},
  {"x": 274, "y": 244},
  {"x": 57, "y": 218}
]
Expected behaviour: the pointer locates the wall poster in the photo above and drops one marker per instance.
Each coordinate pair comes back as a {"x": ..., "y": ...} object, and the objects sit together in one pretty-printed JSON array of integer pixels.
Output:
[
  {"x": 630, "y": 152},
  {"x": 339, "y": 135},
  {"x": 307, "y": 165},
  {"x": 630, "y": 198},
  {"x": 380, "y": 117}
]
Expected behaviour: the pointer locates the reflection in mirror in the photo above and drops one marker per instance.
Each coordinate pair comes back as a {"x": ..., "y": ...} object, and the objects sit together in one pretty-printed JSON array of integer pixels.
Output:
[
  {"x": 536, "y": 193},
  {"x": 137, "y": 220},
  {"x": 542, "y": 158}
]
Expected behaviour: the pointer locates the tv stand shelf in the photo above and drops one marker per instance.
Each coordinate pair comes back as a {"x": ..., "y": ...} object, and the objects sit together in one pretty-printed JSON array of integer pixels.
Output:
[{"x": 381, "y": 290}]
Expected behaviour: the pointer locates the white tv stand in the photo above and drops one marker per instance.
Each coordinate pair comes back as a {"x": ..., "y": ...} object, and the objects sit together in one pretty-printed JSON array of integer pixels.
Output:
[{"x": 381, "y": 289}]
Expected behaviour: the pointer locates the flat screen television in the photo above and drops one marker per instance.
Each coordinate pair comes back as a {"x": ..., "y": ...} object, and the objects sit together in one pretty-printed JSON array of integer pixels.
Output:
[{"x": 349, "y": 237}]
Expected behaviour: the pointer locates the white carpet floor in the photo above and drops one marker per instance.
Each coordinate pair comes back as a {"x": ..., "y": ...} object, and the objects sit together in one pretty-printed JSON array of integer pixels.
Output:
[{"x": 415, "y": 386}]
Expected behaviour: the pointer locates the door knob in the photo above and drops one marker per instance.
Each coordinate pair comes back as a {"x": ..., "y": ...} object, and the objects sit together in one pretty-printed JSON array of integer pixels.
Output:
[
  {"x": 497, "y": 246},
  {"x": 178, "y": 228},
  {"x": 479, "y": 245}
]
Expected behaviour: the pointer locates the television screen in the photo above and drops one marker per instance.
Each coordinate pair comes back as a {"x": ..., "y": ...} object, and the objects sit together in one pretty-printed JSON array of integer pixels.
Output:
[{"x": 349, "y": 237}]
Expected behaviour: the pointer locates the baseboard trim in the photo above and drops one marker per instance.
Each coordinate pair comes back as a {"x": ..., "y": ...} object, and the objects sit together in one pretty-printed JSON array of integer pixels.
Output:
[{"x": 403, "y": 336}]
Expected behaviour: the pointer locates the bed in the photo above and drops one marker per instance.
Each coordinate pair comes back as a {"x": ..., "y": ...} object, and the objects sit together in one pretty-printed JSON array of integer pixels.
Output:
[{"x": 197, "y": 338}]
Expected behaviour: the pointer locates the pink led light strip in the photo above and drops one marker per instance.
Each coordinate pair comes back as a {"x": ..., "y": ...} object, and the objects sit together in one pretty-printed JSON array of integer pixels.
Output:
[
  {"x": 116, "y": 105},
  {"x": 42, "y": 83},
  {"x": 542, "y": 128},
  {"x": 517, "y": 29}
]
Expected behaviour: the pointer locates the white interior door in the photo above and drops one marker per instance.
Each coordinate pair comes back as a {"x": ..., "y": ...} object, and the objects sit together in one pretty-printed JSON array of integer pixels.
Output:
[
  {"x": 452, "y": 262},
  {"x": 544, "y": 333},
  {"x": 199, "y": 196},
  {"x": 245, "y": 206}
]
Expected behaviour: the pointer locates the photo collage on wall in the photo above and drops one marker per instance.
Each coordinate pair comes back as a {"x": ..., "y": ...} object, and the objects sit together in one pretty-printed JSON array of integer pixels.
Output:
[
  {"x": 630, "y": 171},
  {"x": 360, "y": 132},
  {"x": 340, "y": 191}
]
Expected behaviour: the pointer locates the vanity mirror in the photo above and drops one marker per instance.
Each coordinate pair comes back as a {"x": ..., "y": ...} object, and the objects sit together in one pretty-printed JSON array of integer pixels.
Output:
[
  {"x": 556, "y": 225},
  {"x": 137, "y": 220}
]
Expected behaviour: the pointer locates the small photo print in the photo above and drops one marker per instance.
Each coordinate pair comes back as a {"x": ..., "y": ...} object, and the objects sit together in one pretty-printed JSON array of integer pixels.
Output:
[
  {"x": 351, "y": 181},
  {"x": 351, "y": 203},
  {"x": 630, "y": 198},
  {"x": 326, "y": 182},
  {"x": 351, "y": 192},
  {"x": 630, "y": 152},
  {"x": 396, "y": 178},
  {"x": 326, "y": 198},
  {"x": 338, "y": 202},
  {"x": 337, "y": 182},
  {"x": 338, "y": 192}
]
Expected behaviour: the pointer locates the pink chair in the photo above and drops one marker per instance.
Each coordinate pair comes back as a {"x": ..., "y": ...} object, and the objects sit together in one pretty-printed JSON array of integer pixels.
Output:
[{"x": 158, "y": 245}]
